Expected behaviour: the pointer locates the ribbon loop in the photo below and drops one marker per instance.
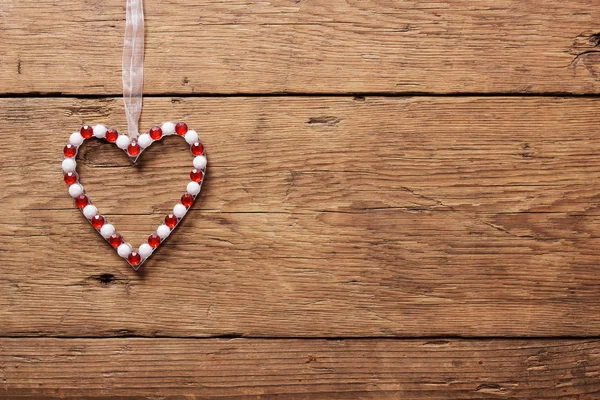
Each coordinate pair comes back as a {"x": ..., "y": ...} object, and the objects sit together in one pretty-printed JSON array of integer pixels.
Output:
[{"x": 133, "y": 65}]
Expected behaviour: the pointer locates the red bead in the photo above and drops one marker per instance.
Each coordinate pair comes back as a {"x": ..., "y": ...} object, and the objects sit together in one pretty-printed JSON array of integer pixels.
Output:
[
  {"x": 134, "y": 148},
  {"x": 97, "y": 221},
  {"x": 187, "y": 199},
  {"x": 181, "y": 128},
  {"x": 86, "y": 131},
  {"x": 70, "y": 151},
  {"x": 171, "y": 221},
  {"x": 81, "y": 201},
  {"x": 154, "y": 240},
  {"x": 115, "y": 240},
  {"x": 155, "y": 132},
  {"x": 134, "y": 258},
  {"x": 196, "y": 175},
  {"x": 197, "y": 149},
  {"x": 70, "y": 178},
  {"x": 112, "y": 135}
]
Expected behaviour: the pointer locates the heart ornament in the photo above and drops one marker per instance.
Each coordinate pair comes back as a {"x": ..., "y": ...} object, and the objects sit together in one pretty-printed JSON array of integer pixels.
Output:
[{"x": 134, "y": 148}]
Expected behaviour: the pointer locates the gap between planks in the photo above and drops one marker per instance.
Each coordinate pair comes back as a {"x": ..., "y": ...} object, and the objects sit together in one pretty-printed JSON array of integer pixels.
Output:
[
  {"x": 406, "y": 338},
  {"x": 359, "y": 95}
]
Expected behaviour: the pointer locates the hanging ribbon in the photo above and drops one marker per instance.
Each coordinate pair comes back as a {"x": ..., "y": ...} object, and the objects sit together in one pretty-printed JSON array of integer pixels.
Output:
[{"x": 133, "y": 65}]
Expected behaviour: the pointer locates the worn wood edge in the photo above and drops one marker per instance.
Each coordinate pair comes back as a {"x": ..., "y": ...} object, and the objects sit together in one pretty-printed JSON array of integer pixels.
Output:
[
  {"x": 305, "y": 47},
  {"x": 129, "y": 368}
]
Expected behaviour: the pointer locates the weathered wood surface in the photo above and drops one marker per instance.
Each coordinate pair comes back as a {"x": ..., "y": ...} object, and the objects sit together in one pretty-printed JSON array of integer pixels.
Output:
[
  {"x": 375, "y": 219},
  {"x": 317, "y": 46},
  {"x": 319, "y": 218},
  {"x": 299, "y": 369}
]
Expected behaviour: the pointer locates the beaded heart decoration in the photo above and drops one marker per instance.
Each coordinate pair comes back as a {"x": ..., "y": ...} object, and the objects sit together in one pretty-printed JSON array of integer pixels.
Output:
[
  {"x": 134, "y": 148},
  {"x": 133, "y": 144}
]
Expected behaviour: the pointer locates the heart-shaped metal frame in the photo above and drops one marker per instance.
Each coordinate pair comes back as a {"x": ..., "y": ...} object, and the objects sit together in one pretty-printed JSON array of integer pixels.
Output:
[{"x": 134, "y": 148}]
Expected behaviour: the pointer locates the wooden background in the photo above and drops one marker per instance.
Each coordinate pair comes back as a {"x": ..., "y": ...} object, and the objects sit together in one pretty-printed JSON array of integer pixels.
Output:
[{"x": 403, "y": 201}]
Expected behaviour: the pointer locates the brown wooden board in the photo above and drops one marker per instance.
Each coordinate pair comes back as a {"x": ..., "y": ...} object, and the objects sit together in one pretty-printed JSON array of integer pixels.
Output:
[
  {"x": 347, "y": 234},
  {"x": 319, "y": 217},
  {"x": 299, "y": 369},
  {"x": 316, "y": 46}
]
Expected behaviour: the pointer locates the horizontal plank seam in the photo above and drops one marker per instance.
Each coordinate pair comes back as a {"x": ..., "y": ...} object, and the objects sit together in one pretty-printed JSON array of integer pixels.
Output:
[
  {"x": 82, "y": 96},
  {"x": 332, "y": 338}
]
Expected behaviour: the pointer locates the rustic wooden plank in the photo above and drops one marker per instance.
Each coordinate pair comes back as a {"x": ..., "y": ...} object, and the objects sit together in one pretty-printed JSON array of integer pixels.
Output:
[
  {"x": 319, "y": 46},
  {"x": 320, "y": 217},
  {"x": 299, "y": 369}
]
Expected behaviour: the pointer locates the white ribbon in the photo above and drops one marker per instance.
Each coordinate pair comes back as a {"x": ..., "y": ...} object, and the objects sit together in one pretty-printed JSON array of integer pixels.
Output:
[{"x": 133, "y": 65}]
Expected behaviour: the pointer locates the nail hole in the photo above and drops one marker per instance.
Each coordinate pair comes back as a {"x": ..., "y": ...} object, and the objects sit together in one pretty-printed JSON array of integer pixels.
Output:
[{"x": 105, "y": 279}]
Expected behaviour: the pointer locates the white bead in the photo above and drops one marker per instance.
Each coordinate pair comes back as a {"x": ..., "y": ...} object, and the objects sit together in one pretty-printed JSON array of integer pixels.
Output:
[
  {"x": 90, "y": 211},
  {"x": 76, "y": 139},
  {"x": 107, "y": 230},
  {"x": 191, "y": 137},
  {"x": 163, "y": 231},
  {"x": 75, "y": 190},
  {"x": 100, "y": 131},
  {"x": 168, "y": 128},
  {"x": 145, "y": 250},
  {"x": 124, "y": 250},
  {"x": 193, "y": 188},
  {"x": 123, "y": 142},
  {"x": 200, "y": 162},
  {"x": 179, "y": 210},
  {"x": 144, "y": 140},
  {"x": 69, "y": 165}
]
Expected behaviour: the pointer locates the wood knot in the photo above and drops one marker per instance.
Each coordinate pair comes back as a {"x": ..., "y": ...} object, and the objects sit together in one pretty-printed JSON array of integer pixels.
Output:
[
  {"x": 324, "y": 120},
  {"x": 585, "y": 50}
]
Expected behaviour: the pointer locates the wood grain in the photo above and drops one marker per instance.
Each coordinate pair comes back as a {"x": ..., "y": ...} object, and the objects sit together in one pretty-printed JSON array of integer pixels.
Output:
[
  {"x": 391, "y": 225},
  {"x": 319, "y": 218},
  {"x": 318, "y": 46},
  {"x": 299, "y": 369}
]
